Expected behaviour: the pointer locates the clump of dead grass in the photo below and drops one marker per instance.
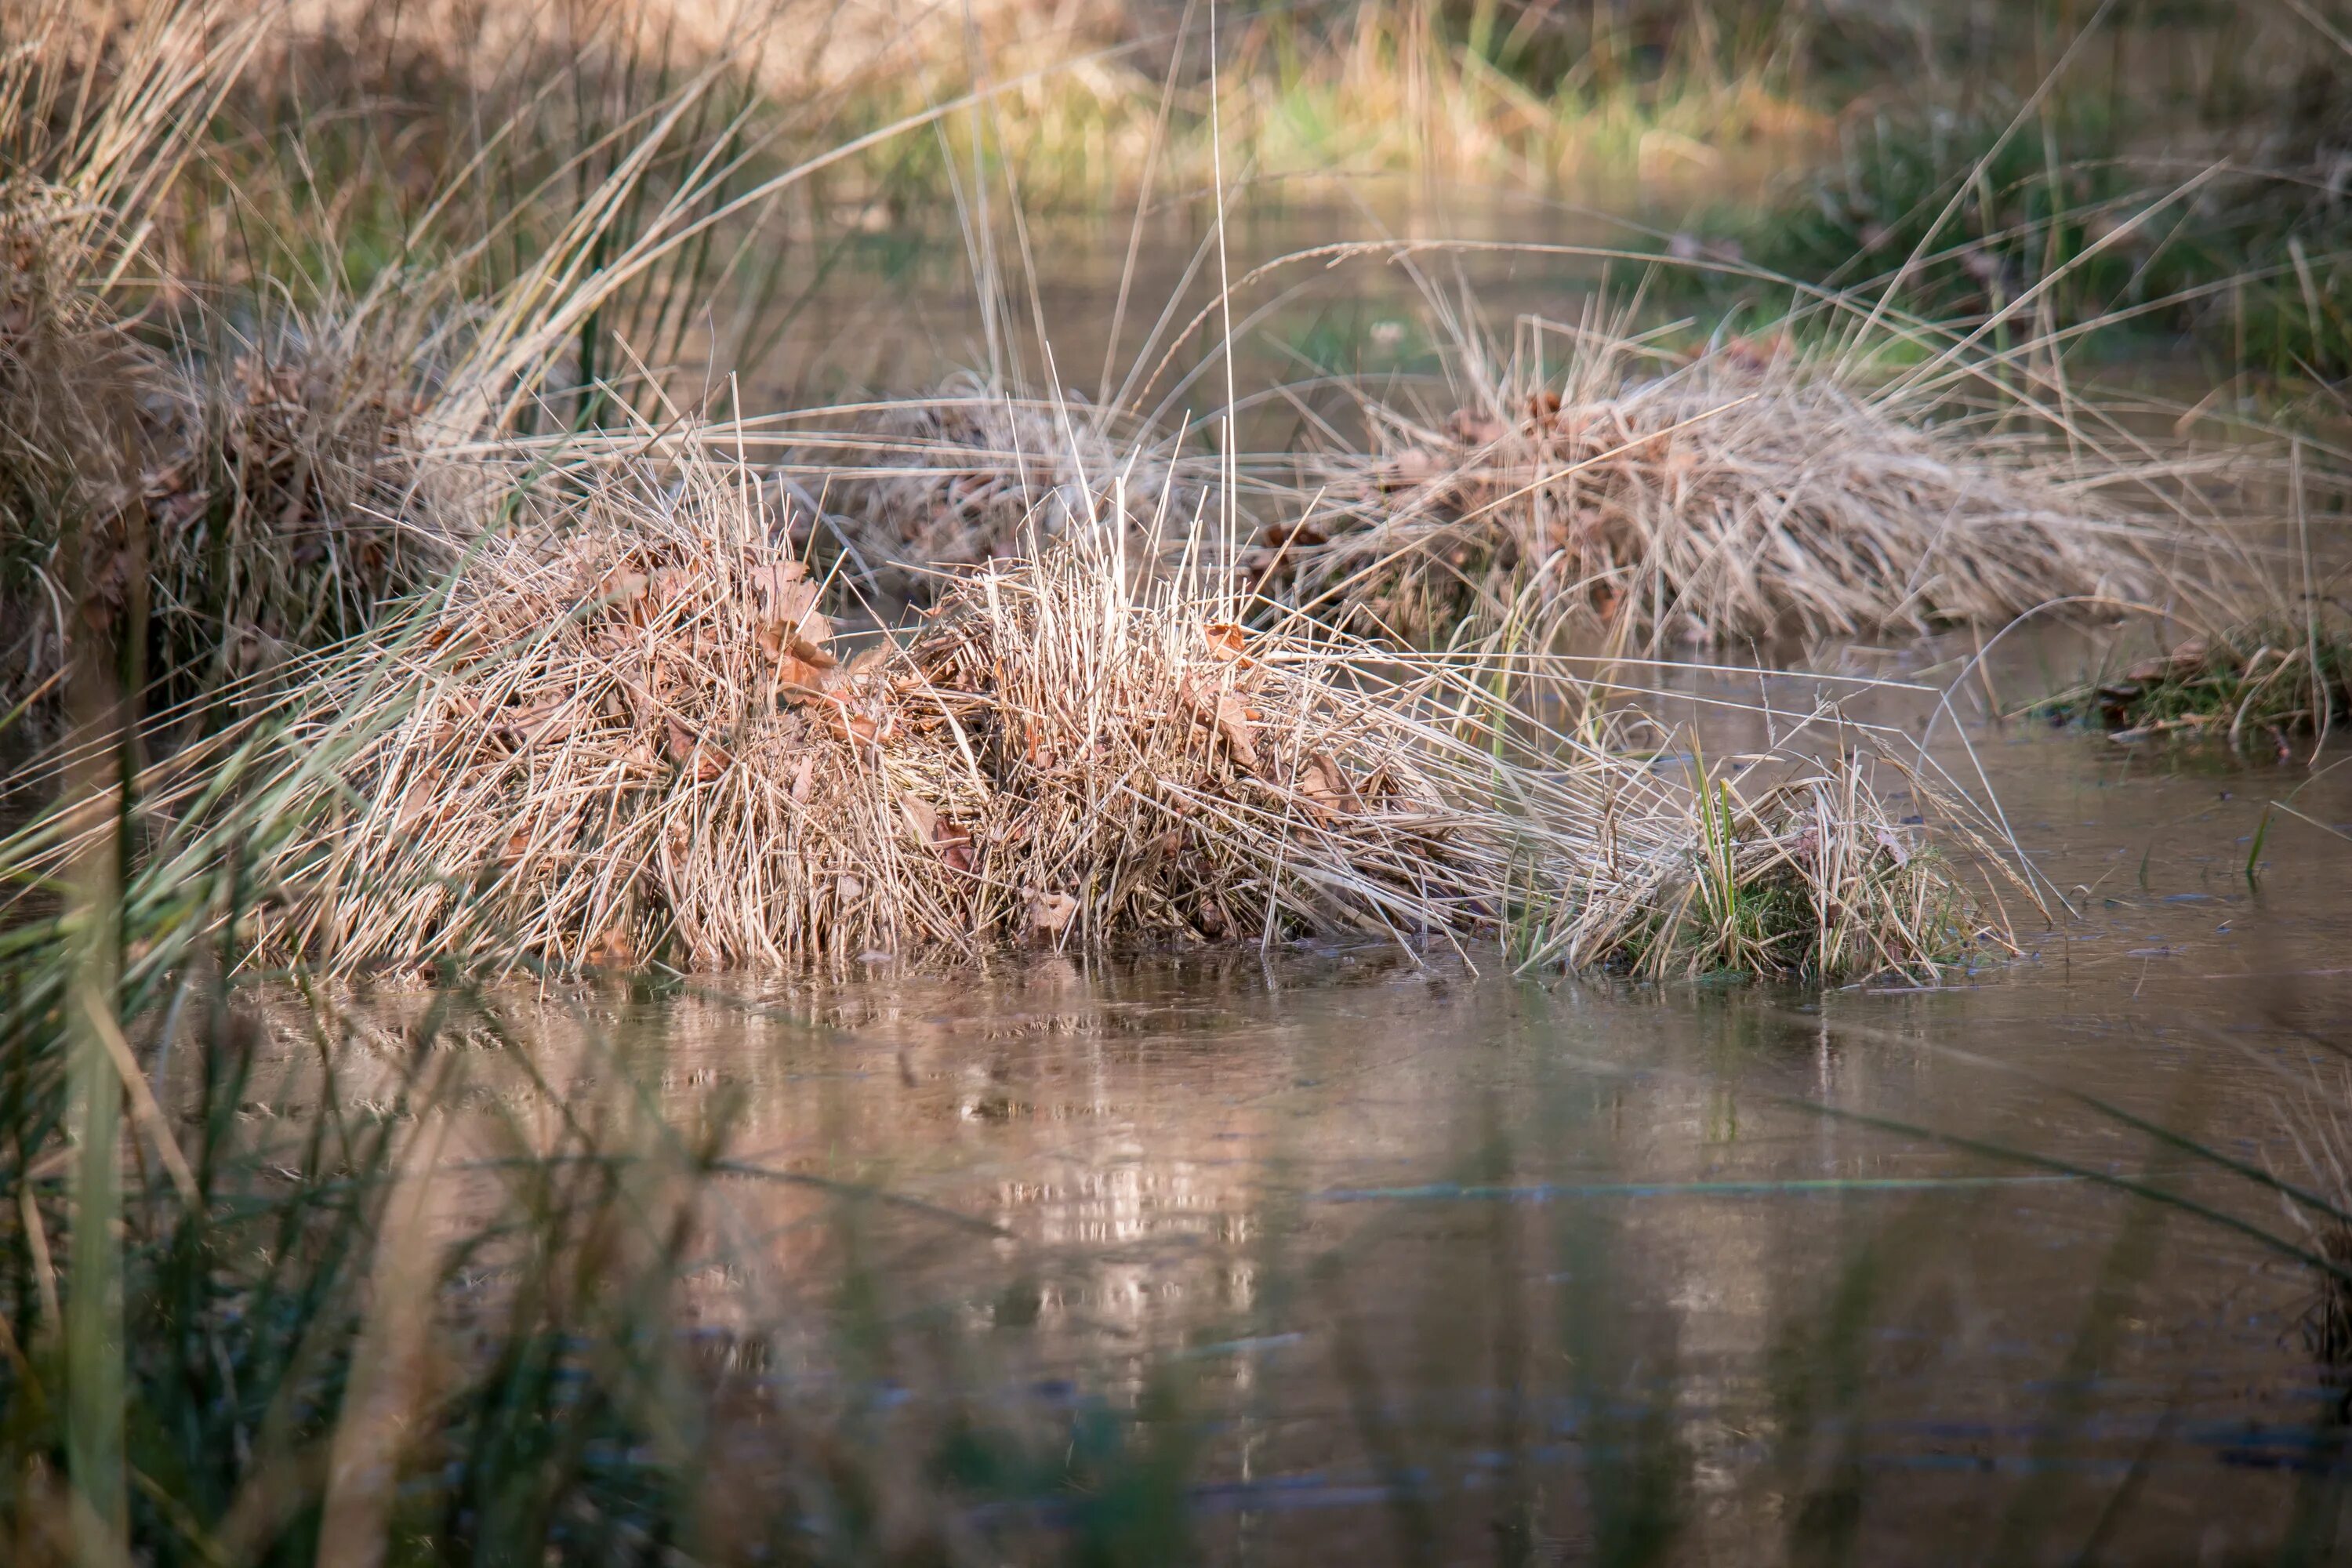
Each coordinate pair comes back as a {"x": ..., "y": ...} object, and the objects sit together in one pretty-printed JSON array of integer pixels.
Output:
[
  {"x": 275, "y": 513},
  {"x": 228, "y": 510},
  {"x": 1742, "y": 493},
  {"x": 71, "y": 384},
  {"x": 912, "y": 491},
  {"x": 203, "y": 495},
  {"x": 632, "y": 734},
  {"x": 619, "y": 727}
]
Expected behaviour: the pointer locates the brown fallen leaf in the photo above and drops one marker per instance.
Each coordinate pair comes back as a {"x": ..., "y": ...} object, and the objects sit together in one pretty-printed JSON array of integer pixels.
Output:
[
  {"x": 807, "y": 651},
  {"x": 947, "y": 838},
  {"x": 688, "y": 750},
  {"x": 539, "y": 721},
  {"x": 620, "y": 588},
  {"x": 783, "y": 590},
  {"x": 422, "y": 803},
  {"x": 849, "y": 726},
  {"x": 1325, "y": 786},
  {"x": 614, "y": 950},
  {"x": 952, "y": 841},
  {"x": 800, "y": 681},
  {"x": 1052, "y": 912},
  {"x": 1229, "y": 718}
]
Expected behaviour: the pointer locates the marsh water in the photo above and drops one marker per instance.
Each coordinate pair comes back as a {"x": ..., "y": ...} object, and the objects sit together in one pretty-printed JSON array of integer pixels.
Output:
[
  {"x": 1373, "y": 277},
  {"x": 1407, "y": 1259},
  {"x": 1131, "y": 310}
]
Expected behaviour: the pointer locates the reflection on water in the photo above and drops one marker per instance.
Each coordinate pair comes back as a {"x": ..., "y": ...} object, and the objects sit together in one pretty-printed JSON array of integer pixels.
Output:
[{"x": 1445, "y": 1266}]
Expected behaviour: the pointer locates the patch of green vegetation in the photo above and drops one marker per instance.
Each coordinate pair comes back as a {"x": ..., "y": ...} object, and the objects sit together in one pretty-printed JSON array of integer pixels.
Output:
[
  {"x": 2253, "y": 684},
  {"x": 2065, "y": 230},
  {"x": 1532, "y": 96},
  {"x": 1770, "y": 926}
]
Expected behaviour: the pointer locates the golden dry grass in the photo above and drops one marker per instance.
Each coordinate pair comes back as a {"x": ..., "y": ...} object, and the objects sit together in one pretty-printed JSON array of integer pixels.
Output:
[
  {"x": 634, "y": 737},
  {"x": 608, "y": 722},
  {"x": 1745, "y": 493},
  {"x": 912, "y": 491}
]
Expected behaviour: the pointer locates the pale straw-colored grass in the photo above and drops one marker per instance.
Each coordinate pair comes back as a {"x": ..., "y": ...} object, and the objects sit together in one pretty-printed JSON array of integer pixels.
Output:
[
  {"x": 618, "y": 728},
  {"x": 909, "y": 491},
  {"x": 1748, "y": 492},
  {"x": 634, "y": 737}
]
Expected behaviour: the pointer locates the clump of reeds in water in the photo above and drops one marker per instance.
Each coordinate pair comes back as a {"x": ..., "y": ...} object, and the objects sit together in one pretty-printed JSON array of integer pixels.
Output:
[
  {"x": 223, "y": 489},
  {"x": 628, "y": 733},
  {"x": 1747, "y": 492},
  {"x": 291, "y": 468},
  {"x": 2252, "y": 684},
  {"x": 619, "y": 727},
  {"x": 243, "y": 514}
]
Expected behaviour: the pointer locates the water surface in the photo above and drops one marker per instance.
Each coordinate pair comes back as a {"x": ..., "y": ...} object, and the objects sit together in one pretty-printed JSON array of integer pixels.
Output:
[{"x": 1436, "y": 1264}]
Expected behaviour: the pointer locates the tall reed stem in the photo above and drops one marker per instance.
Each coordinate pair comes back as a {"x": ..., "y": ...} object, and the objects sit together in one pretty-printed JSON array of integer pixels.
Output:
[{"x": 96, "y": 779}]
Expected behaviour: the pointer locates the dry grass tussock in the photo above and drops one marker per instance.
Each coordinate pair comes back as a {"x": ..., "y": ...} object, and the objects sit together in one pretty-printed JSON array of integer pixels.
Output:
[
  {"x": 75, "y": 392},
  {"x": 214, "y": 493},
  {"x": 618, "y": 728},
  {"x": 911, "y": 491},
  {"x": 1745, "y": 493},
  {"x": 212, "y": 465},
  {"x": 636, "y": 738},
  {"x": 239, "y": 503}
]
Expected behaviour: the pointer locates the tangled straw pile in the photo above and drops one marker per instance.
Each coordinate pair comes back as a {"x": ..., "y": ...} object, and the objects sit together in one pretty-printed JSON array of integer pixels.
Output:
[
  {"x": 635, "y": 737},
  {"x": 213, "y": 487},
  {"x": 244, "y": 511},
  {"x": 66, "y": 370},
  {"x": 1735, "y": 496}
]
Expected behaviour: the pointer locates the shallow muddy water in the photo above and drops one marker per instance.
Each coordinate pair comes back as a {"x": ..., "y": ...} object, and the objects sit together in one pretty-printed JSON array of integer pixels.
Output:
[{"x": 1432, "y": 1265}]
